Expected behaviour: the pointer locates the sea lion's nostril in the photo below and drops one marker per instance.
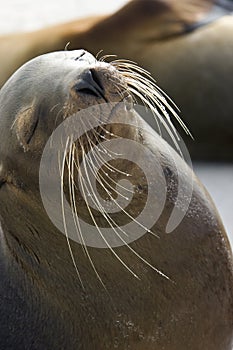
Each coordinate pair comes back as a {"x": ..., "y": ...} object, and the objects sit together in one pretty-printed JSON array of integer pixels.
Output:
[
  {"x": 89, "y": 84},
  {"x": 96, "y": 78}
]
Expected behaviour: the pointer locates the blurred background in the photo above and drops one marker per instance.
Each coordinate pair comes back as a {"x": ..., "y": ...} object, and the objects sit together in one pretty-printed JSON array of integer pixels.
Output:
[{"x": 26, "y": 15}]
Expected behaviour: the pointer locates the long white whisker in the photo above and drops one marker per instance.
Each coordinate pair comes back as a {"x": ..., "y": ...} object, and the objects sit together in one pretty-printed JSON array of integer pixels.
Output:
[
  {"x": 100, "y": 178},
  {"x": 70, "y": 167},
  {"x": 101, "y": 148},
  {"x": 75, "y": 214},
  {"x": 140, "y": 79},
  {"x": 109, "y": 220},
  {"x": 100, "y": 160},
  {"x": 126, "y": 67},
  {"x": 95, "y": 223},
  {"x": 160, "y": 118},
  {"x": 157, "y": 97},
  {"x": 63, "y": 210}
]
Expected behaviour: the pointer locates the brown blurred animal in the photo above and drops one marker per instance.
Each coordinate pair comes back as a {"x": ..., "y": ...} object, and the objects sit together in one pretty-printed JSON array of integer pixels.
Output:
[{"x": 186, "y": 45}]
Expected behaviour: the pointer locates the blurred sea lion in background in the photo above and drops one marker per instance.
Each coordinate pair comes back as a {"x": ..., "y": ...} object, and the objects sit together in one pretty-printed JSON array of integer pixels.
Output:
[{"x": 187, "y": 45}]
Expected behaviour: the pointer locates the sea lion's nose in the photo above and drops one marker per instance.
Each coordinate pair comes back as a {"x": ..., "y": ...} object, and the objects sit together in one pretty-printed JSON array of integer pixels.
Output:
[{"x": 90, "y": 84}]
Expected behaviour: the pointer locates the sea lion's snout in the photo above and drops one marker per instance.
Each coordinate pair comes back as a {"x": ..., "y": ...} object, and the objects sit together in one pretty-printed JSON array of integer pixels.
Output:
[
  {"x": 90, "y": 84},
  {"x": 100, "y": 83}
]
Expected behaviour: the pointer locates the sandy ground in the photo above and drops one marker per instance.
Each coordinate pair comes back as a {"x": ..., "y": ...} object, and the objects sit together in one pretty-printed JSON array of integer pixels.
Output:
[{"x": 20, "y": 15}]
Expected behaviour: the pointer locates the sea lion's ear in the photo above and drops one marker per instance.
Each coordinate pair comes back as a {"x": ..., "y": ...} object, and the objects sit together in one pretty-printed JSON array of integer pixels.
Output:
[{"x": 25, "y": 124}]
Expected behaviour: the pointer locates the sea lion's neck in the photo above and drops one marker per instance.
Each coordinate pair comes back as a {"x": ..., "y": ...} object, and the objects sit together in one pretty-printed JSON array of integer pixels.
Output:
[
  {"x": 39, "y": 264},
  {"x": 39, "y": 250},
  {"x": 40, "y": 282},
  {"x": 34, "y": 247}
]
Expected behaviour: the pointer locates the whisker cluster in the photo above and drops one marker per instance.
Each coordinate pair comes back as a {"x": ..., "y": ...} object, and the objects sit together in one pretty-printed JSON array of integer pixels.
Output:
[
  {"x": 80, "y": 168},
  {"x": 71, "y": 162},
  {"x": 143, "y": 86}
]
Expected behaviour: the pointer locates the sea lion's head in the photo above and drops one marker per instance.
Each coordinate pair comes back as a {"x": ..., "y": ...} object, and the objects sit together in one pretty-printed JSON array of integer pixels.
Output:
[
  {"x": 56, "y": 109},
  {"x": 49, "y": 89},
  {"x": 42, "y": 94},
  {"x": 45, "y": 91}
]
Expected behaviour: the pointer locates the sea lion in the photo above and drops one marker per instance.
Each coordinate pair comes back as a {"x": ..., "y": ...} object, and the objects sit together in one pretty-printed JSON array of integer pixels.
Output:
[
  {"x": 186, "y": 45},
  {"x": 169, "y": 291}
]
